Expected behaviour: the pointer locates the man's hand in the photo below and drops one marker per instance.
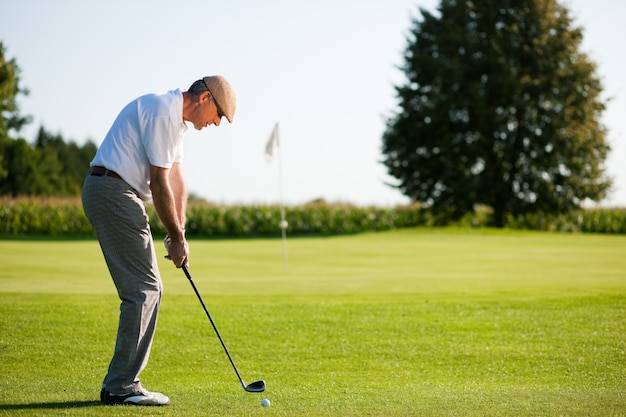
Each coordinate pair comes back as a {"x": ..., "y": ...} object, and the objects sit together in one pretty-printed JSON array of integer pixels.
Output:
[{"x": 178, "y": 252}]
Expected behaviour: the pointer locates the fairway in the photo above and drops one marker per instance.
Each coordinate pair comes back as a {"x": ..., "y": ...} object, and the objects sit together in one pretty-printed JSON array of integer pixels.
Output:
[{"x": 416, "y": 322}]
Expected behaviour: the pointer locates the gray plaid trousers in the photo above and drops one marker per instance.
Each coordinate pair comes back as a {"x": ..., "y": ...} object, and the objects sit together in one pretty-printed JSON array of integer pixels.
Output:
[{"x": 121, "y": 224}]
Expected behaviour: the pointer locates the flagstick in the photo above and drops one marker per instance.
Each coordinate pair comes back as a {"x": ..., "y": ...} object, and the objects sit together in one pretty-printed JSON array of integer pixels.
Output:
[
  {"x": 272, "y": 144},
  {"x": 283, "y": 222}
]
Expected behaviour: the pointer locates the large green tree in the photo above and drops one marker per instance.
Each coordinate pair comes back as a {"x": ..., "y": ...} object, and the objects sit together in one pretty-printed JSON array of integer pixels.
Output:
[{"x": 500, "y": 108}]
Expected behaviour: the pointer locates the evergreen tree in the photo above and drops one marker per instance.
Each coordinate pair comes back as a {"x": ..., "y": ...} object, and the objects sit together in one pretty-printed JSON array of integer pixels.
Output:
[{"x": 73, "y": 159}]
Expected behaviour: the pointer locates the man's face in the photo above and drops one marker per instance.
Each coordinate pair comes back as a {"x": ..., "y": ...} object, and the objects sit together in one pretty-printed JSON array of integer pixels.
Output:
[{"x": 206, "y": 113}]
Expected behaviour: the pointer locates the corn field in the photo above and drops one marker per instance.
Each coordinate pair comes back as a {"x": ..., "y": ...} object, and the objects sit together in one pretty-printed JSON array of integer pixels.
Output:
[{"x": 64, "y": 217}]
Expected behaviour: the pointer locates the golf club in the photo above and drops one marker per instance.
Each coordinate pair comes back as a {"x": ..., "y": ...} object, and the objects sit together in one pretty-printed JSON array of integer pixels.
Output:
[{"x": 256, "y": 386}]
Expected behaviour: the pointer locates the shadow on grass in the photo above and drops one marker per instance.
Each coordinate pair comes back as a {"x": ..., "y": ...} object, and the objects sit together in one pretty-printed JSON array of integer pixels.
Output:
[{"x": 50, "y": 405}]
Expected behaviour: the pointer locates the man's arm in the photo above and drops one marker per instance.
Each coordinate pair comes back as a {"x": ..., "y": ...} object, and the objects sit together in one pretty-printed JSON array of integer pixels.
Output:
[
  {"x": 169, "y": 193},
  {"x": 179, "y": 188}
]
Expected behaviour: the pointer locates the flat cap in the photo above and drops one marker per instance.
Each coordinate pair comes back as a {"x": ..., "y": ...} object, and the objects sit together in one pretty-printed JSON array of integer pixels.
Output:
[{"x": 223, "y": 94}]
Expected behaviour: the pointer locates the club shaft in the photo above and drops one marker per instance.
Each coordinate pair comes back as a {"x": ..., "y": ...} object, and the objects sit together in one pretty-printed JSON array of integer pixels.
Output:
[{"x": 193, "y": 285}]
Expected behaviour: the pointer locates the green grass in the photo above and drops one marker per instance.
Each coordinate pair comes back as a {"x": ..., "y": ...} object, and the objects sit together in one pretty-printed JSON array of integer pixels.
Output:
[{"x": 422, "y": 322}]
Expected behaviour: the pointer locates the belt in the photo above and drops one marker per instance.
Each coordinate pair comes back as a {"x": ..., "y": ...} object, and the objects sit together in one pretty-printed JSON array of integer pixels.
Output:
[{"x": 102, "y": 171}]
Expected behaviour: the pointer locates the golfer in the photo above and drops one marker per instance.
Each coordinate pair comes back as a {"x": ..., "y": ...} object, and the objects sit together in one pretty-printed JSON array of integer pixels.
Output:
[{"x": 140, "y": 161}]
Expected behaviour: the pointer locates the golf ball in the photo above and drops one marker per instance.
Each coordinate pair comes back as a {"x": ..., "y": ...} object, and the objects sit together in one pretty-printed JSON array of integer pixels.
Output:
[{"x": 265, "y": 402}]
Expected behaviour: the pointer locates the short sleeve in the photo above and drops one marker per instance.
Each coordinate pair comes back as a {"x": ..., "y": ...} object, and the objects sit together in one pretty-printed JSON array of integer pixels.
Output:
[{"x": 162, "y": 141}]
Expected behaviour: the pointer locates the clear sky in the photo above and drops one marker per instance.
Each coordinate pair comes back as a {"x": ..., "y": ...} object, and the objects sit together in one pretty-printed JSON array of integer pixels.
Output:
[{"x": 324, "y": 70}]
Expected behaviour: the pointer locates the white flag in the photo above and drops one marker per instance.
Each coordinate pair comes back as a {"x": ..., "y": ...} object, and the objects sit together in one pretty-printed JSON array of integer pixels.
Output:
[{"x": 271, "y": 145}]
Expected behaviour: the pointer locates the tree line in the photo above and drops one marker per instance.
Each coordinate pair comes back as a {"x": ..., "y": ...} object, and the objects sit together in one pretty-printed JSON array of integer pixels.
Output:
[{"x": 48, "y": 166}]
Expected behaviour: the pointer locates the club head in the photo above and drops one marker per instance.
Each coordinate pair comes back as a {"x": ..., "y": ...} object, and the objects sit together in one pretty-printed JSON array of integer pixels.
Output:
[{"x": 256, "y": 386}]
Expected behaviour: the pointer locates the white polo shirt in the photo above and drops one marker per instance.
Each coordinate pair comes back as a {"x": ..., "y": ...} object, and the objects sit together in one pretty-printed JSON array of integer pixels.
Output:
[{"x": 148, "y": 131}]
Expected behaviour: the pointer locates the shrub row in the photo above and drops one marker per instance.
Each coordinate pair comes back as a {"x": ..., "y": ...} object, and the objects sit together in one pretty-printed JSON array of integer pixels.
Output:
[
  {"x": 596, "y": 220},
  {"x": 64, "y": 217}
]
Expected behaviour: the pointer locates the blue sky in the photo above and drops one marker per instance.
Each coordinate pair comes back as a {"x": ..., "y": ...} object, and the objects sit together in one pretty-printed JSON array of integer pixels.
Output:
[{"x": 323, "y": 70}]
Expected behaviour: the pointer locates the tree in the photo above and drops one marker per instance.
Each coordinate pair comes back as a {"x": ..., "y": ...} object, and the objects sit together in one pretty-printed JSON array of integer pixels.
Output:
[
  {"x": 51, "y": 167},
  {"x": 73, "y": 159},
  {"x": 30, "y": 172},
  {"x": 500, "y": 108},
  {"x": 10, "y": 119},
  {"x": 9, "y": 89}
]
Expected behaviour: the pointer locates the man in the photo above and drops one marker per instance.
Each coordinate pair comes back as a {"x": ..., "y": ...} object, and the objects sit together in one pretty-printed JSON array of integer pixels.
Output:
[{"x": 138, "y": 161}]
